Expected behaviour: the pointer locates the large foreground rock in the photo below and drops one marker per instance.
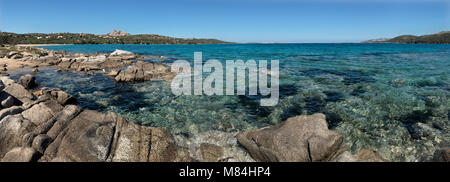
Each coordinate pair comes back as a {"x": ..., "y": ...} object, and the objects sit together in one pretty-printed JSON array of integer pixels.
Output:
[
  {"x": 298, "y": 139},
  {"x": 96, "y": 137},
  {"x": 19, "y": 92},
  {"x": 87, "y": 138},
  {"x": 44, "y": 130},
  {"x": 12, "y": 130},
  {"x": 21, "y": 154},
  {"x": 134, "y": 143}
]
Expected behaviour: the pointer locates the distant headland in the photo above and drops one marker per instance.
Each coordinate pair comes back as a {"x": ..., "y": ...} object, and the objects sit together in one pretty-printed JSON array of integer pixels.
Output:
[
  {"x": 115, "y": 37},
  {"x": 437, "y": 38}
]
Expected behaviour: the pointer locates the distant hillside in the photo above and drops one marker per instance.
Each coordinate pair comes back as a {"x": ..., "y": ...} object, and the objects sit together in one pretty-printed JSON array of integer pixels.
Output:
[
  {"x": 437, "y": 38},
  {"x": 115, "y": 37},
  {"x": 376, "y": 40}
]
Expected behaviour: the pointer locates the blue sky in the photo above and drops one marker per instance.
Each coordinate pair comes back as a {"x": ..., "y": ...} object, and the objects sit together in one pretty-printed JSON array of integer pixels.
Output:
[{"x": 232, "y": 20}]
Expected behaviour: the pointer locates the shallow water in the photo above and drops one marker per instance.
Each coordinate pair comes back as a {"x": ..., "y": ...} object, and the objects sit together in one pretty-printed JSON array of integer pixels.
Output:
[{"x": 391, "y": 98}]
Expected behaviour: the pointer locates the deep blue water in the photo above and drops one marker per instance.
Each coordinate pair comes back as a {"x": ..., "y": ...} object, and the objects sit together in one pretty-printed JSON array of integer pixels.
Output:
[{"x": 390, "y": 98}]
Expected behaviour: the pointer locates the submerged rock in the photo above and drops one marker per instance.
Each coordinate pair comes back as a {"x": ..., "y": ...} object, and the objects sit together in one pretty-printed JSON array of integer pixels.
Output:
[
  {"x": 363, "y": 155},
  {"x": 298, "y": 139},
  {"x": 211, "y": 152},
  {"x": 443, "y": 155},
  {"x": 213, "y": 146}
]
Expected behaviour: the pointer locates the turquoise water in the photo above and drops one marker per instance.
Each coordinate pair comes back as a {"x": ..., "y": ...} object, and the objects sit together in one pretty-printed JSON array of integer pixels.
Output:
[{"x": 390, "y": 98}]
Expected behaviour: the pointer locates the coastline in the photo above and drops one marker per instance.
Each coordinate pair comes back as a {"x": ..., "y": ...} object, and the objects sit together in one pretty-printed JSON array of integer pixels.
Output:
[
  {"x": 16, "y": 65},
  {"x": 38, "y": 45}
]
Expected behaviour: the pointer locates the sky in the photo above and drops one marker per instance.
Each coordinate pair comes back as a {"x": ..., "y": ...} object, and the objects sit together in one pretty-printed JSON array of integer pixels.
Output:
[{"x": 263, "y": 21}]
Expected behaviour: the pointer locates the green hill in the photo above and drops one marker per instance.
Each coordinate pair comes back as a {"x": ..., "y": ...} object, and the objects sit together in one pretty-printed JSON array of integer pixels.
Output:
[
  {"x": 83, "y": 38},
  {"x": 437, "y": 38}
]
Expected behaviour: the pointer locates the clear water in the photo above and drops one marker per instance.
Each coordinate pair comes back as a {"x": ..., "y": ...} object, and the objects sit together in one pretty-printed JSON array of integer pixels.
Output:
[{"x": 390, "y": 98}]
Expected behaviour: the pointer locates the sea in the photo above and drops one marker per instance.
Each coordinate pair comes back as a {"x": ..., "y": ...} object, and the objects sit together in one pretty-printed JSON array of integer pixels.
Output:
[{"x": 388, "y": 98}]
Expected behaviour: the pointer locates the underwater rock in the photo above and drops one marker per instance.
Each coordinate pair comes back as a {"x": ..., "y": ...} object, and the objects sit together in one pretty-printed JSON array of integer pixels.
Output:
[
  {"x": 298, "y": 139},
  {"x": 443, "y": 155},
  {"x": 345, "y": 157},
  {"x": 363, "y": 155},
  {"x": 211, "y": 152},
  {"x": 213, "y": 146}
]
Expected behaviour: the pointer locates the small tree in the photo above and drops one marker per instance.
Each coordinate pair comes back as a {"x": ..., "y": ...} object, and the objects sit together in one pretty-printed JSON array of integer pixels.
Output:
[{"x": 3, "y": 39}]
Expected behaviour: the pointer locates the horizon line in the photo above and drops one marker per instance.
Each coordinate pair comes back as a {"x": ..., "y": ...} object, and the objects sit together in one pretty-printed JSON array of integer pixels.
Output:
[{"x": 262, "y": 42}]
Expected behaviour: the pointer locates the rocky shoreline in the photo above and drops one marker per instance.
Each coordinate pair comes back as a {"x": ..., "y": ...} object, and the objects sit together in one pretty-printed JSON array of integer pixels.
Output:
[
  {"x": 119, "y": 64},
  {"x": 46, "y": 125}
]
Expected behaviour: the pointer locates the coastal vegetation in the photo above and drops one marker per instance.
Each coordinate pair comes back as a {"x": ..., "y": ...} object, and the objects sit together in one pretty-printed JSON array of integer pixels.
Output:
[
  {"x": 85, "y": 38},
  {"x": 437, "y": 38}
]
